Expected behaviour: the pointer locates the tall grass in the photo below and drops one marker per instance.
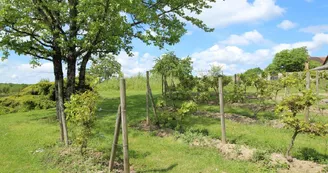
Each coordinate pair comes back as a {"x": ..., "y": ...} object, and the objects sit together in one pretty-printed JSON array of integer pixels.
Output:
[{"x": 135, "y": 83}]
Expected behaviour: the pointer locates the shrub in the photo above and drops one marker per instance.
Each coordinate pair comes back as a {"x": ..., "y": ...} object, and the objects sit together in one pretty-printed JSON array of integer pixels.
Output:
[
  {"x": 236, "y": 95},
  {"x": 189, "y": 107},
  {"x": 81, "y": 114},
  {"x": 25, "y": 103}
]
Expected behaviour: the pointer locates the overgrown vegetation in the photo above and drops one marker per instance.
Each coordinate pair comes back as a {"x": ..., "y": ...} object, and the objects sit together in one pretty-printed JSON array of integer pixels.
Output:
[{"x": 37, "y": 96}]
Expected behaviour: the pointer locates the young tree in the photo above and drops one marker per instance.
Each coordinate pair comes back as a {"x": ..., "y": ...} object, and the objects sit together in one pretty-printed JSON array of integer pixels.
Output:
[
  {"x": 105, "y": 67},
  {"x": 169, "y": 65},
  {"x": 289, "y": 108},
  {"x": 166, "y": 65},
  {"x": 73, "y": 31},
  {"x": 250, "y": 77},
  {"x": 213, "y": 79}
]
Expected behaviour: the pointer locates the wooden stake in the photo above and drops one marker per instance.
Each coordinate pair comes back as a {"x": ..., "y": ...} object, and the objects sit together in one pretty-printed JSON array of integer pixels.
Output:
[
  {"x": 223, "y": 129},
  {"x": 152, "y": 102},
  {"x": 317, "y": 87},
  {"x": 124, "y": 127},
  {"x": 61, "y": 109},
  {"x": 116, "y": 136},
  {"x": 308, "y": 81},
  {"x": 317, "y": 82},
  {"x": 147, "y": 97}
]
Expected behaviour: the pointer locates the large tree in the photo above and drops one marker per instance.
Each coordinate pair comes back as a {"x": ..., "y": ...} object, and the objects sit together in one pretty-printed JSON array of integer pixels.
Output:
[
  {"x": 72, "y": 31},
  {"x": 290, "y": 60}
]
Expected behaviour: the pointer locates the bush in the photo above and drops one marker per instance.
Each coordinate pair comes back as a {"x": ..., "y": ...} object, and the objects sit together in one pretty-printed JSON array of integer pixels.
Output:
[
  {"x": 43, "y": 88},
  {"x": 81, "y": 114},
  {"x": 236, "y": 95},
  {"x": 38, "y": 96},
  {"x": 187, "y": 108}
]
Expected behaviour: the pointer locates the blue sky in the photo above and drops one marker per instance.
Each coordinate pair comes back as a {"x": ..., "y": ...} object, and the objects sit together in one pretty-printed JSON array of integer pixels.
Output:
[{"x": 247, "y": 34}]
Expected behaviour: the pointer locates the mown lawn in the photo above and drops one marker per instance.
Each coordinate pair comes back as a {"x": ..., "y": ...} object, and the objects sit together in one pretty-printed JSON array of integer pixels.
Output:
[{"x": 23, "y": 136}]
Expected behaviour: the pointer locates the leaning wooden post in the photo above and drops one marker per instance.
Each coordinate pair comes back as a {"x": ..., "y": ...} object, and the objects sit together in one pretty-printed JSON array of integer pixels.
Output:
[
  {"x": 317, "y": 82},
  {"x": 308, "y": 81},
  {"x": 147, "y": 98},
  {"x": 152, "y": 103},
  {"x": 223, "y": 129},
  {"x": 124, "y": 128},
  {"x": 116, "y": 135}
]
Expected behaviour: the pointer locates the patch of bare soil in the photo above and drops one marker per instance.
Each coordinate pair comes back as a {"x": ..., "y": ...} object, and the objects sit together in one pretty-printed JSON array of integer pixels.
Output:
[
  {"x": 161, "y": 132},
  {"x": 242, "y": 152},
  {"x": 233, "y": 117},
  {"x": 143, "y": 126},
  {"x": 254, "y": 106},
  {"x": 318, "y": 111},
  {"x": 275, "y": 124},
  {"x": 164, "y": 132},
  {"x": 296, "y": 166},
  {"x": 240, "y": 119}
]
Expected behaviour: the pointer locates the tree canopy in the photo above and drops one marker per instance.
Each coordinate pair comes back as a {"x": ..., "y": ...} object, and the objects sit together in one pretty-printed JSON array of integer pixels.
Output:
[
  {"x": 289, "y": 60},
  {"x": 73, "y": 31}
]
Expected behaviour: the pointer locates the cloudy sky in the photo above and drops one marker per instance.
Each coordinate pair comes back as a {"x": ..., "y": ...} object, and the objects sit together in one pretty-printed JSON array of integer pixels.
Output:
[{"x": 247, "y": 34}]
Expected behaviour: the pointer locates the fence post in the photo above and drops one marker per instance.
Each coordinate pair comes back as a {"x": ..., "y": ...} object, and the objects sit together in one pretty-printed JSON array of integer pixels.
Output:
[
  {"x": 223, "y": 130},
  {"x": 308, "y": 81},
  {"x": 116, "y": 135},
  {"x": 147, "y": 97},
  {"x": 317, "y": 81},
  {"x": 124, "y": 127}
]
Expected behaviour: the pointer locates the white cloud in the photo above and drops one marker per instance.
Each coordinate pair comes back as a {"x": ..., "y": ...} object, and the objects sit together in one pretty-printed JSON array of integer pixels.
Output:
[
  {"x": 234, "y": 59},
  {"x": 14, "y": 76},
  {"x": 189, "y": 33},
  {"x": 135, "y": 64},
  {"x": 23, "y": 73},
  {"x": 318, "y": 40},
  {"x": 315, "y": 29},
  {"x": 244, "y": 39},
  {"x": 286, "y": 25},
  {"x": 44, "y": 68},
  {"x": 229, "y": 12},
  {"x": 309, "y": 0},
  {"x": 229, "y": 57}
]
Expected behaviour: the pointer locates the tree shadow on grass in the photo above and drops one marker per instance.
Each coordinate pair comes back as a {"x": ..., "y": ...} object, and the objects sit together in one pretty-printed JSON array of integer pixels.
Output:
[
  {"x": 312, "y": 155},
  {"x": 161, "y": 170}
]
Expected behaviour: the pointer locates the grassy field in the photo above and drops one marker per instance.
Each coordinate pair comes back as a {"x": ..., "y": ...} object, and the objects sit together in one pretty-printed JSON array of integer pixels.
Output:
[
  {"x": 29, "y": 139},
  {"x": 27, "y": 136}
]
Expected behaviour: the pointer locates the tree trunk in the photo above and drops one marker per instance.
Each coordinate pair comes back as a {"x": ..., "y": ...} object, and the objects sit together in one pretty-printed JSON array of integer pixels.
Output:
[
  {"x": 162, "y": 85},
  {"x": 83, "y": 67},
  {"x": 59, "y": 80},
  {"x": 165, "y": 85},
  {"x": 291, "y": 143},
  {"x": 71, "y": 71}
]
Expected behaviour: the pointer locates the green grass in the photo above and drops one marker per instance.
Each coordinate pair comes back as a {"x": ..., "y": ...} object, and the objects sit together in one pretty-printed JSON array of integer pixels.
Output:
[
  {"x": 24, "y": 133},
  {"x": 21, "y": 135}
]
